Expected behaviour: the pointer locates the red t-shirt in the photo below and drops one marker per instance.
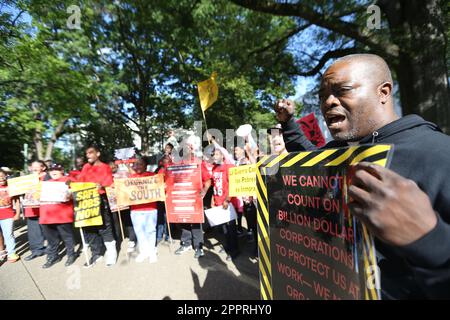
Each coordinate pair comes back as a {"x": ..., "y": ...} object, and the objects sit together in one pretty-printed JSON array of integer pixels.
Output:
[
  {"x": 101, "y": 174},
  {"x": 206, "y": 172},
  {"x": 73, "y": 175},
  {"x": 144, "y": 206},
  {"x": 6, "y": 209},
  {"x": 220, "y": 182},
  {"x": 56, "y": 212}
]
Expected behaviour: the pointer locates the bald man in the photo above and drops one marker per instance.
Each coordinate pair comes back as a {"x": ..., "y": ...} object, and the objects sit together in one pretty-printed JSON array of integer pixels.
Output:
[{"x": 357, "y": 103}]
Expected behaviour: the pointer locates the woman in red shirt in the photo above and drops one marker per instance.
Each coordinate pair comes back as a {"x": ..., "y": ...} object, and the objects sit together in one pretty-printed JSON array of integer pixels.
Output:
[
  {"x": 35, "y": 234},
  {"x": 144, "y": 218},
  {"x": 7, "y": 218},
  {"x": 56, "y": 219}
]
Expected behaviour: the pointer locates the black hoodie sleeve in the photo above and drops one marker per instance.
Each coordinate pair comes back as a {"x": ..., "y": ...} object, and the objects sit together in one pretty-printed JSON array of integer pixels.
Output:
[
  {"x": 429, "y": 258},
  {"x": 294, "y": 139}
]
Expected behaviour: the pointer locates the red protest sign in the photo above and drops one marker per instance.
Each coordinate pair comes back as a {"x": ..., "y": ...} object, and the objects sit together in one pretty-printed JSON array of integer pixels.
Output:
[
  {"x": 311, "y": 129},
  {"x": 183, "y": 201}
]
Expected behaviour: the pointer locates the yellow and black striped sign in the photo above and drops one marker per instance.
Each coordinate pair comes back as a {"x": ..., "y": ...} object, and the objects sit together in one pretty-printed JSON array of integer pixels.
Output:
[{"x": 340, "y": 157}]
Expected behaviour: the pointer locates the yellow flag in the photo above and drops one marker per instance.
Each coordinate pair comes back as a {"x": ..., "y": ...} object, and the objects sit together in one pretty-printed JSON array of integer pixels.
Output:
[{"x": 208, "y": 92}]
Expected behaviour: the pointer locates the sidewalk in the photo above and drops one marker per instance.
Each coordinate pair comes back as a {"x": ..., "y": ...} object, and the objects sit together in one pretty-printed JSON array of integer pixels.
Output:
[{"x": 172, "y": 277}]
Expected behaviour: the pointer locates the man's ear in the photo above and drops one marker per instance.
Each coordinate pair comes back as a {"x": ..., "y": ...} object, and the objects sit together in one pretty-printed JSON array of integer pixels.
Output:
[{"x": 385, "y": 91}]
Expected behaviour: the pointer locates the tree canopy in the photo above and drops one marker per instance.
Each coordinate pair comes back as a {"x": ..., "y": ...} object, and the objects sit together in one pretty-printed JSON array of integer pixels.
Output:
[{"x": 128, "y": 69}]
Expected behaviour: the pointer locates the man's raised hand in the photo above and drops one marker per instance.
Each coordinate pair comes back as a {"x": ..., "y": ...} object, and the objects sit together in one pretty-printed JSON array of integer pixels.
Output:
[{"x": 284, "y": 110}]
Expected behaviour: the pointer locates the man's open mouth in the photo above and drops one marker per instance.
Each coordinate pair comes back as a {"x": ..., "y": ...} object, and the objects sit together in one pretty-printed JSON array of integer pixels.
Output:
[{"x": 334, "y": 120}]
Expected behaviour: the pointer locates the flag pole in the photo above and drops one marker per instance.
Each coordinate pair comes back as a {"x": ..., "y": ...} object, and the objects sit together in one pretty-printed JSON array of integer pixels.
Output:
[
  {"x": 121, "y": 226},
  {"x": 121, "y": 230},
  {"x": 206, "y": 125},
  {"x": 168, "y": 228},
  {"x": 85, "y": 247}
]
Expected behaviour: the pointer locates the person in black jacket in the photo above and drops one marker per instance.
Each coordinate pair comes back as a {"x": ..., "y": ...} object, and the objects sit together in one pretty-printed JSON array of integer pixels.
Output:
[{"x": 413, "y": 250}]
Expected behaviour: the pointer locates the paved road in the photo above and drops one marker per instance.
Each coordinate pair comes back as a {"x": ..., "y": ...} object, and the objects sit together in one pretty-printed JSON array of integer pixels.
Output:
[{"x": 172, "y": 277}]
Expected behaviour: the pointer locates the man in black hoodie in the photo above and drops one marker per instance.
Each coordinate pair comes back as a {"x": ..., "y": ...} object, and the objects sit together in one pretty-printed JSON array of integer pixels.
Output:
[{"x": 413, "y": 249}]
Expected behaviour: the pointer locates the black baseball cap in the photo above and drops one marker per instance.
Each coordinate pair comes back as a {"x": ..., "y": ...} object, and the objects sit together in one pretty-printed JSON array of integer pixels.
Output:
[{"x": 56, "y": 167}]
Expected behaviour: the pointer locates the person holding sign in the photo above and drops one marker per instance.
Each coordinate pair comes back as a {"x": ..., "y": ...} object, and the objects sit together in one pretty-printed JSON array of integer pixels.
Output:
[
  {"x": 357, "y": 102},
  {"x": 35, "y": 234},
  {"x": 7, "y": 218},
  {"x": 100, "y": 173},
  {"x": 246, "y": 156},
  {"x": 193, "y": 233},
  {"x": 144, "y": 218},
  {"x": 221, "y": 198},
  {"x": 56, "y": 218}
]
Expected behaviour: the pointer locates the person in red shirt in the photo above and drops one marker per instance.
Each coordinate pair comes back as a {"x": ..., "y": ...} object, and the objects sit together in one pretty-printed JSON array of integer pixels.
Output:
[
  {"x": 193, "y": 233},
  {"x": 56, "y": 220},
  {"x": 7, "y": 218},
  {"x": 100, "y": 173},
  {"x": 220, "y": 183},
  {"x": 161, "y": 225},
  {"x": 144, "y": 218},
  {"x": 79, "y": 163},
  {"x": 35, "y": 235}
]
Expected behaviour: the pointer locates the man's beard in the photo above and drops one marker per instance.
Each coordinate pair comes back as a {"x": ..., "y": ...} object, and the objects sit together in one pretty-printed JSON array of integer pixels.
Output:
[
  {"x": 355, "y": 132},
  {"x": 352, "y": 135}
]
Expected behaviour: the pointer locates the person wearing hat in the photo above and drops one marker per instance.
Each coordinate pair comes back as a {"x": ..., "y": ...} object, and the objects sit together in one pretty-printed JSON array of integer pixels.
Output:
[{"x": 56, "y": 219}]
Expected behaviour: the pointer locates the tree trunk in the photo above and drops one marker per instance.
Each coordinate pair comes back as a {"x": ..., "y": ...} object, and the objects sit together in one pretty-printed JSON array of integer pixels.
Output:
[
  {"x": 145, "y": 143},
  {"x": 424, "y": 88},
  {"x": 37, "y": 140},
  {"x": 417, "y": 27},
  {"x": 56, "y": 134},
  {"x": 37, "y": 135}
]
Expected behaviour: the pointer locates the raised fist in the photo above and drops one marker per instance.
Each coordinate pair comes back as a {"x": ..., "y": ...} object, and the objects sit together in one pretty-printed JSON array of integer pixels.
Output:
[{"x": 284, "y": 109}]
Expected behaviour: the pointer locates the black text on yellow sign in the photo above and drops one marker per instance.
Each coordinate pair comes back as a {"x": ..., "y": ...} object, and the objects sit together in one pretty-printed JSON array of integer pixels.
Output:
[{"x": 87, "y": 208}]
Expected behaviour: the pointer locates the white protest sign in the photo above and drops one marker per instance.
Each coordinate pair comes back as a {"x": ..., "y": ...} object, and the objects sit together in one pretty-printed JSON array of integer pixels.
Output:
[
  {"x": 218, "y": 215},
  {"x": 52, "y": 191}
]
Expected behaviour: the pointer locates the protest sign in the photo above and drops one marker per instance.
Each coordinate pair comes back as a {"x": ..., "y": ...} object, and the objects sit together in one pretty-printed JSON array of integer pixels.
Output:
[
  {"x": 218, "y": 215},
  {"x": 112, "y": 200},
  {"x": 132, "y": 191},
  {"x": 86, "y": 204},
  {"x": 23, "y": 184},
  {"x": 242, "y": 181},
  {"x": 311, "y": 129},
  {"x": 124, "y": 153},
  {"x": 32, "y": 198},
  {"x": 311, "y": 246},
  {"x": 54, "y": 192},
  {"x": 5, "y": 199},
  {"x": 183, "y": 201}
]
